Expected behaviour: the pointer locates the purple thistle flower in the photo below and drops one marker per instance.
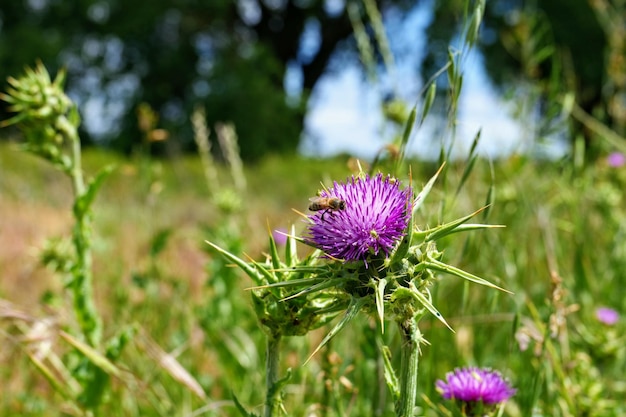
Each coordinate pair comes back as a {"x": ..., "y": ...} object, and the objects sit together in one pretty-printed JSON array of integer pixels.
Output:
[
  {"x": 373, "y": 220},
  {"x": 616, "y": 159},
  {"x": 475, "y": 384},
  {"x": 280, "y": 236},
  {"x": 607, "y": 316}
]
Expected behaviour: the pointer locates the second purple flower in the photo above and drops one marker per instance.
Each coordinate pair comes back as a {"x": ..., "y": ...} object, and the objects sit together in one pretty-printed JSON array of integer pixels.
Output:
[{"x": 372, "y": 221}]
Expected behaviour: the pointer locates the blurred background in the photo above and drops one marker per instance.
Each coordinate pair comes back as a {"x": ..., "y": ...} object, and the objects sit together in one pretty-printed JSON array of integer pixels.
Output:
[{"x": 290, "y": 77}]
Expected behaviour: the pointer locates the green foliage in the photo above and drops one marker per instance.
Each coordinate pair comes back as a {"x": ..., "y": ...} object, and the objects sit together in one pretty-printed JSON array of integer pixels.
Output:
[{"x": 484, "y": 322}]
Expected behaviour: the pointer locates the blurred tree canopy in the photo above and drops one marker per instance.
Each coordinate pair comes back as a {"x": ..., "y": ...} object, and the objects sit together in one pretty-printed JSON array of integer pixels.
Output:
[
  {"x": 230, "y": 56},
  {"x": 255, "y": 62}
]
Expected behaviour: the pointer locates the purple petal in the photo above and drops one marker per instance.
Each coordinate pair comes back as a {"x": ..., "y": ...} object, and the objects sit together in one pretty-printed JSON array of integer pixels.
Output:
[
  {"x": 607, "y": 316},
  {"x": 475, "y": 384},
  {"x": 616, "y": 159},
  {"x": 374, "y": 220}
]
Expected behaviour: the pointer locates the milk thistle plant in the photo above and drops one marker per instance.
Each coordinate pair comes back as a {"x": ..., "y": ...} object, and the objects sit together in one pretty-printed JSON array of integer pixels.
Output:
[
  {"x": 49, "y": 121},
  {"x": 370, "y": 257}
]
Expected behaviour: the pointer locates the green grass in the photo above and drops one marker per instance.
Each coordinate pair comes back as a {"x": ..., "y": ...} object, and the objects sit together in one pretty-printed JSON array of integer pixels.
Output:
[{"x": 183, "y": 300}]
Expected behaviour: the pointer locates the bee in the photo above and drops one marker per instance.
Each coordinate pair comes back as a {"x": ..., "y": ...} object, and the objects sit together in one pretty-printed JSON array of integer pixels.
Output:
[{"x": 327, "y": 204}]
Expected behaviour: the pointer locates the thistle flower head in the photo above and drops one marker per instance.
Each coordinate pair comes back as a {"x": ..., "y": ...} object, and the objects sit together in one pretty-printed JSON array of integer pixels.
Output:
[
  {"x": 475, "y": 385},
  {"x": 616, "y": 159},
  {"x": 370, "y": 219},
  {"x": 607, "y": 316},
  {"x": 36, "y": 98}
]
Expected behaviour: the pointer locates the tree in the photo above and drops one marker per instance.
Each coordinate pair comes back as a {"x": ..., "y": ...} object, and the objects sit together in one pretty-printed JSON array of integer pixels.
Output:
[{"x": 230, "y": 56}]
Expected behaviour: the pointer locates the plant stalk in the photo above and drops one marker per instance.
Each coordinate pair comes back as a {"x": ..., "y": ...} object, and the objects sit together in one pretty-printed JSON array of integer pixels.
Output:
[
  {"x": 411, "y": 337},
  {"x": 82, "y": 284},
  {"x": 272, "y": 356}
]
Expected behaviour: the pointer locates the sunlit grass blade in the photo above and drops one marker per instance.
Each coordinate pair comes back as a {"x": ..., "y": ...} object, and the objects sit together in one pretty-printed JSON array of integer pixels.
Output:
[
  {"x": 452, "y": 70},
  {"x": 58, "y": 385},
  {"x": 469, "y": 166},
  {"x": 435, "y": 265},
  {"x": 406, "y": 134},
  {"x": 475, "y": 21},
  {"x": 490, "y": 199},
  {"x": 428, "y": 102},
  {"x": 353, "y": 308},
  {"x": 93, "y": 355},
  {"x": 171, "y": 365}
]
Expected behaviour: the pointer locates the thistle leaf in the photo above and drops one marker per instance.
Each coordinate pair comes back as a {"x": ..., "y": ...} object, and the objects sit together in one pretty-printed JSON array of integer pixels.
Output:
[
  {"x": 291, "y": 250},
  {"x": 448, "y": 228},
  {"x": 84, "y": 201},
  {"x": 241, "y": 409},
  {"x": 274, "y": 257},
  {"x": 390, "y": 375},
  {"x": 326, "y": 283},
  {"x": 251, "y": 271},
  {"x": 422, "y": 195},
  {"x": 353, "y": 308},
  {"x": 379, "y": 287},
  {"x": 292, "y": 283},
  {"x": 435, "y": 265},
  {"x": 423, "y": 300}
]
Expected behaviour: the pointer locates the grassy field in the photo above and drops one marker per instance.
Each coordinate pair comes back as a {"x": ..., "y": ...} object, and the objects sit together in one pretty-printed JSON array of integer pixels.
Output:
[{"x": 562, "y": 253}]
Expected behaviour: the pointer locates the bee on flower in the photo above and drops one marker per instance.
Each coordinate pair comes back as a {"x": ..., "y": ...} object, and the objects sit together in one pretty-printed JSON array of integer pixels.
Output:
[{"x": 370, "y": 217}]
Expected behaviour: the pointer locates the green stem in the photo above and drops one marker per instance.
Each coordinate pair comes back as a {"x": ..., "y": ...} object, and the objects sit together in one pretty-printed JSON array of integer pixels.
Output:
[
  {"x": 272, "y": 355},
  {"x": 84, "y": 306},
  {"x": 411, "y": 337}
]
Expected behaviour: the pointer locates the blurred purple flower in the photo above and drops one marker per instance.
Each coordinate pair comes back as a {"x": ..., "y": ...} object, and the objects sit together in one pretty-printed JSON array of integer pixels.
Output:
[
  {"x": 280, "y": 236},
  {"x": 616, "y": 159},
  {"x": 375, "y": 218},
  {"x": 607, "y": 315},
  {"x": 475, "y": 384}
]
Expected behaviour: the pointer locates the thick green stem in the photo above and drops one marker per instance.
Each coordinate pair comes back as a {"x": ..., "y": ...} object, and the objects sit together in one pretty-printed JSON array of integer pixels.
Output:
[
  {"x": 84, "y": 306},
  {"x": 272, "y": 355},
  {"x": 411, "y": 337},
  {"x": 82, "y": 288}
]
